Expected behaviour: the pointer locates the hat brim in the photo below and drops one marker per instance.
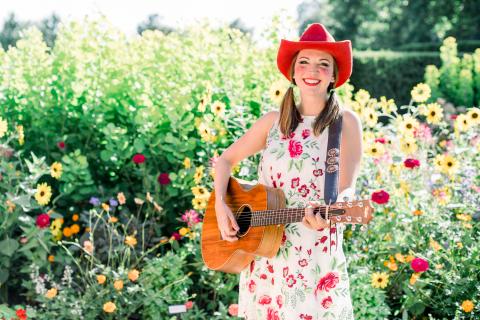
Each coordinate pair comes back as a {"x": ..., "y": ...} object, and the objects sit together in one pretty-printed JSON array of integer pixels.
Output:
[{"x": 341, "y": 51}]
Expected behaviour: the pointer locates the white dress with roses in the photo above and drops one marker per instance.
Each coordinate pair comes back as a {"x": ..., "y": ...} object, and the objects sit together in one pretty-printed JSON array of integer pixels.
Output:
[{"x": 304, "y": 281}]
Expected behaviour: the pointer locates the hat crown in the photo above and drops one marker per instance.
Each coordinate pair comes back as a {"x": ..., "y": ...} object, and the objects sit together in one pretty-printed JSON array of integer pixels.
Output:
[{"x": 316, "y": 32}]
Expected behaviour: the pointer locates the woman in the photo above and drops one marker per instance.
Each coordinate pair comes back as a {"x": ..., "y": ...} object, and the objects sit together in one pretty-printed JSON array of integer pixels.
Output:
[{"x": 305, "y": 280}]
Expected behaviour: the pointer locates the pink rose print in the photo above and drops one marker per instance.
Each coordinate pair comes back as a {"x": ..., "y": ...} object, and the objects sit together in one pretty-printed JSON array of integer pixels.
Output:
[
  {"x": 333, "y": 230},
  {"x": 263, "y": 300},
  {"x": 272, "y": 314},
  {"x": 305, "y": 317},
  {"x": 291, "y": 281},
  {"x": 292, "y": 134},
  {"x": 295, "y": 182},
  {"x": 252, "y": 286},
  {"x": 318, "y": 172},
  {"x": 323, "y": 239},
  {"x": 304, "y": 191},
  {"x": 325, "y": 249},
  {"x": 263, "y": 276},
  {"x": 327, "y": 302},
  {"x": 303, "y": 263},
  {"x": 270, "y": 268},
  {"x": 309, "y": 251},
  {"x": 328, "y": 282},
  {"x": 295, "y": 148},
  {"x": 285, "y": 272},
  {"x": 280, "y": 301},
  {"x": 300, "y": 276},
  {"x": 274, "y": 182},
  {"x": 305, "y": 133},
  {"x": 313, "y": 186}
]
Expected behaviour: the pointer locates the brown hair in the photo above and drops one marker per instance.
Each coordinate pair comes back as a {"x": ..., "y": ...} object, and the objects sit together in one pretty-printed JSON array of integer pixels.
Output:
[{"x": 290, "y": 116}]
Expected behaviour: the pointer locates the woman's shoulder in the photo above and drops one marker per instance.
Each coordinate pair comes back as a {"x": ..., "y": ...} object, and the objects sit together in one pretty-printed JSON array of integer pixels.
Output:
[{"x": 270, "y": 118}]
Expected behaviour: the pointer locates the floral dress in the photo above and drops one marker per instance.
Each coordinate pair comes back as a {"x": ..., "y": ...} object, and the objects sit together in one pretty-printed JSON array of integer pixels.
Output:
[{"x": 308, "y": 277}]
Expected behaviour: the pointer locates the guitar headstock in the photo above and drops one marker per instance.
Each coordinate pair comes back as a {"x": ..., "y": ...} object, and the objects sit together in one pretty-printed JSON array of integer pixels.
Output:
[{"x": 356, "y": 212}]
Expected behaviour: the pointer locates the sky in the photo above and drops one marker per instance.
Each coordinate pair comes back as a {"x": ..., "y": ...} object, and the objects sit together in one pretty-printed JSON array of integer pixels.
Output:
[{"x": 126, "y": 15}]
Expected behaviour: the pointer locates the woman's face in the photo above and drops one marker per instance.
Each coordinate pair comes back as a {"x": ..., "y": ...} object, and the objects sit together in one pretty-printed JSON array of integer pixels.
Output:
[{"x": 313, "y": 71}]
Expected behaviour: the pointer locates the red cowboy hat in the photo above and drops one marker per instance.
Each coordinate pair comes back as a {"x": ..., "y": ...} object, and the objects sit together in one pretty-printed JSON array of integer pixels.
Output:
[{"x": 317, "y": 37}]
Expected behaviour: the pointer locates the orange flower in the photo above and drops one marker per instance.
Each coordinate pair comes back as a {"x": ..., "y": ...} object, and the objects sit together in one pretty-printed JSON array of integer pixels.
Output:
[
  {"x": 101, "y": 279},
  {"x": 105, "y": 207},
  {"x": 51, "y": 258},
  {"x": 130, "y": 241},
  {"x": 52, "y": 293},
  {"x": 467, "y": 305},
  {"x": 414, "y": 277},
  {"x": 118, "y": 285},
  {"x": 75, "y": 228},
  {"x": 109, "y": 307},
  {"x": 113, "y": 219},
  {"x": 417, "y": 212},
  {"x": 75, "y": 217},
  {"x": 399, "y": 257},
  {"x": 133, "y": 275},
  {"x": 67, "y": 232}
]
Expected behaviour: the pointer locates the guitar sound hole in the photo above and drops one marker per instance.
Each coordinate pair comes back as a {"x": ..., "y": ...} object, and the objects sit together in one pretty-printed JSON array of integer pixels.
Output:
[{"x": 244, "y": 218}]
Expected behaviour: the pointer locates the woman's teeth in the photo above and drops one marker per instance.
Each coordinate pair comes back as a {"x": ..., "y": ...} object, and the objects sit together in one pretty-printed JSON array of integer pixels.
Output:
[{"x": 311, "y": 82}]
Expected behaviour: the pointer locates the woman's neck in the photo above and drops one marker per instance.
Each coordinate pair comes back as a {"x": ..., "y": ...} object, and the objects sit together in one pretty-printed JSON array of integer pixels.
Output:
[{"x": 312, "y": 105}]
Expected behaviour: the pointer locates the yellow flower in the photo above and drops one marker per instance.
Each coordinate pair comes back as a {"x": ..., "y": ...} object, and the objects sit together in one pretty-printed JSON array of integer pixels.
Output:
[
  {"x": 375, "y": 150},
  {"x": 277, "y": 91},
  {"x": 113, "y": 219},
  {"x": 387, "y": 106},
  {"x": 369, "y": 116},
  {"x": 414, "y": 278},
  {"x": 391, "y": 265},
  {"x": 183, "y": 231},
  {"x": 206, "y": 132},
  {"x": 130, "y": 241},
  {"x": 407, "y": 125},
  {"x": 473, "y": 116},
  {"x": 400, "y": 257},
  {"x": 462, "y": 123},
  {"x": 467, "y": 306},
  {"x": 88, "y": 246},
  {"x": 105, "y": 207},
  {"x": 202, "y": 104},
  {"x": 408, "y": 145},
  {"x": 56, "y": 228},
  {"x": 218, "y": 108},
  {"x": 435, "y": 245},
  {"x": 118, "y": 285},
  {"x": 75, "y": 228},
  {"x": 198, "y": 174},
  {"x": 10, "y": 206},
  {"x": 67, "y": 232},
  {"x": 421, "y": 92},
  {"x": 379, "y": 280},
  {"x": 187, "y": 163},
  {"x": 200, "y": 192},
  {"x": 362, "y": 96},
  {"x": 464, "y": 217},
  {"x": 199, "y": 203},
  {"x": 459, "y": 245},
  {"x": 121, "y": 198},
  {"x": 56, "y": 170},
  {"x": 449, "y": 164},
  {"x": 44, "y": 193},
  {"x": 51, "y": 258},
  {"x": 52, "y": 293},
  {"x": 3, "y": 127},
  {"x": 434, "y": 113},
  {"x": 133, "y": 275},
  {"x": 75, "y": 217},
  {"x": 109, "y": 307},
  {"x": 101, "y": 279}
]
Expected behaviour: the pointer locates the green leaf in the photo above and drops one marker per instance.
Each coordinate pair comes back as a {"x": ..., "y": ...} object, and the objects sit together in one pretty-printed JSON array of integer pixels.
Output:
[{"x": 8, "y": 247}]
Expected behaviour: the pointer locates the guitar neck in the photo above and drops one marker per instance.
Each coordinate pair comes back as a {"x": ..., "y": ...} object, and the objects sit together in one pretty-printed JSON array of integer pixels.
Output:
[{"x": 288, "y": 215}]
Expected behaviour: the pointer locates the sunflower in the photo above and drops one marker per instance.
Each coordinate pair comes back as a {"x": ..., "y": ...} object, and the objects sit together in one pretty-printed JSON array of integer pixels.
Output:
[
  {"x": 207, "y": 133},
  {"x": 379, "y": 280},
  {"x": 3, "y": 127},
  {"x": 198, "y": 174},
  {"x": 462, "y": 123},
  {"x": 199, "y": 203},
  {"x": 474, "y": 116},
  {"x": 375, "y": 150},
  {"x": 421, "y": 92},
  {"x": 408, "y": 145},
  {"x": 369, "y": 116},
  {"x": 187, "y": 163},
  {"x": 56, "y": 228},
  {"x": 200, "y": 192},
  {"x": 387, "y": 106},
  {"x": 277, "y": 91},
  {"x": 218, "y": 108},
  {"x": 407, "y": 125},
  {"x": 434, "y": 113},
  {"x": 56, "y": 170},
  {"x": 44, "y": 193},
  {"x": 362, "y": 96},
  {"x": 449, "y": 164}
]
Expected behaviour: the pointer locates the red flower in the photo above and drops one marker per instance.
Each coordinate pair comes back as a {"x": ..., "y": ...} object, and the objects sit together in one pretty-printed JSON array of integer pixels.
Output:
[
  {"x": 270, "y": 268},
  {"x": 61, "y": 145},
  {"x": 295, "y": 182},
  {"x": 381, "y": 140},
  {"x": 272, "y": 314},
  {"x": 303, "y": 263},
  {"x": 138, "y": 158},
  {"x": 292, "y": 134},
  {"x": 280, "y": 301},
  {"x": 380, "y": 197},
  {"x": 411, "y": 163},
  {"x": 176, "y": 236},
  {"x": 303, "y": 190},
  {"x": 327, "y": 302},
  {"x": 317, "y": 172},
  {"x": 189, "y": 305},
  {"x": 233, "y": 310},
  {"x": 263, "y": 300},
  {"x": 329, "y": 281},
  {"x": 419, "y": 265},
  {"x": 305, "y": 133},
  {"x": 305, "y": 317},
  {"x": 285, "y": 272},
  {"x": 21, "y": 314},
  {"x": 263, "y": 276},
  {"x": 252, "y": 286},
  {"x": 291, "y": 281},
  {"x": 295, "y": 148},
  {"x": 163, "y": 179},
  {"x": 284, "y": 238},
  {"x": 43, "y": 220}
]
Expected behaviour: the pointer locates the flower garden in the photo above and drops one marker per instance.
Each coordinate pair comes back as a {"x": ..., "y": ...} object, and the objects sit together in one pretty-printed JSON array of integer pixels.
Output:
[{"x": 107, "y": 159}]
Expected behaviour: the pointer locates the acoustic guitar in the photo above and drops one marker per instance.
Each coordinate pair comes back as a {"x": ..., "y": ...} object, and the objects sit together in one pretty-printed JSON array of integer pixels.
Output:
[{"x": 261, "y": 214}]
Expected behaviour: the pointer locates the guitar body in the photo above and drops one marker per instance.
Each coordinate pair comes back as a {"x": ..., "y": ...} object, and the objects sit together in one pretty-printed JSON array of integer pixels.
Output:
[{"x": 242, "y": 198}]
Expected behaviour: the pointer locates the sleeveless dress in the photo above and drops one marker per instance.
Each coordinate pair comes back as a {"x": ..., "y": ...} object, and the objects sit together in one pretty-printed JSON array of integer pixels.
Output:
[{"x": 305, "y": 280}]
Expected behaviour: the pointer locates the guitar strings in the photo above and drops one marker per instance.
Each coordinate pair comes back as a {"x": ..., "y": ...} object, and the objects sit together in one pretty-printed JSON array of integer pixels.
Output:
[{"x": 284, "y": 214}]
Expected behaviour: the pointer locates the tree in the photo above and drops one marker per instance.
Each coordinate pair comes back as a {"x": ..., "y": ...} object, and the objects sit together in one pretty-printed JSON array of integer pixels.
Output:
[{"x": 153, "y": 22}]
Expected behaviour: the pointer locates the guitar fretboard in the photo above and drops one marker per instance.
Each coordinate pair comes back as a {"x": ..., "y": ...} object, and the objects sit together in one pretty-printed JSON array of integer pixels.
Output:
[{"x": 287, "y": 215}]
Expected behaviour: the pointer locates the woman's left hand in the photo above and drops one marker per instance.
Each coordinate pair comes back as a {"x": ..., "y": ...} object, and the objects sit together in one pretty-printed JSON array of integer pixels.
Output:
[{"x": 314, "y": 221}]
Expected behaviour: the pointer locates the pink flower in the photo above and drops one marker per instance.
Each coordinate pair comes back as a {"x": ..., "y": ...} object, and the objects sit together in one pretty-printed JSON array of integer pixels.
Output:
[
  {"x": 191, "y": 217},
  {"x": 303, "y": 263},
  {"x": 270, "y": 268},
  {"x": 263, "y": 276},
  {"x": 380, "y": 197},
  {"x": 43, "y": 220},
  {"x": 411, "y": 163},
  {"x": 264, "y": 299},
  {"x": 327, "y": 302},
  {"x": 328, "y": 282},
  {"x": 252, "y": 286},
  {"x": 272, "y": 314},
  {"x": 189, "y": 305},
  {"x": 280, "y": 301},
  {"x": 381, "y": 140},
  {"x": 295, "y": 148},
  {"x": 163, "y": 179},
  {"x": 292, "y": 134},
  {"x": 303, "y": 190},
  {"x": 291, "y": 281},
  {"x": 233, "y": 310},
  {"x": 295, "y": 182},
  {"x": 317, "y": 172},
  {"x": 305, "y": 316},
  {"x": 305, "y": 133},
  {"x": 138, "y": 158},
  {"x": 176, "y": 236},
  {"x": 419, "y": 265},
  {"x": 285, "y": 271}
]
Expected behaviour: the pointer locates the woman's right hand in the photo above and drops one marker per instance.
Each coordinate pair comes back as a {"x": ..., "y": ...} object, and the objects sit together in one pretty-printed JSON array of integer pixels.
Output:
[{"x": 226, "y": 221}]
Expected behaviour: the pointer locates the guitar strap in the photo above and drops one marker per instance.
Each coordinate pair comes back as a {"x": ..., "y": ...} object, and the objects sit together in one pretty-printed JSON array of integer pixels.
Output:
[{"x": 332, "y": 160}]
